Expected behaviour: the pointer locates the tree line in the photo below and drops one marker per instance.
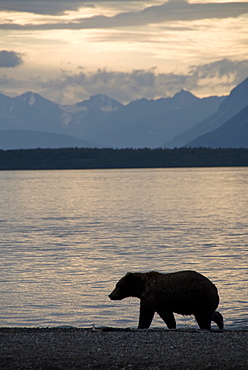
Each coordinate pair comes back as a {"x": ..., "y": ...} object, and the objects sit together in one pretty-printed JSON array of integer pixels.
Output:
[{"x": 87, "y": 158}]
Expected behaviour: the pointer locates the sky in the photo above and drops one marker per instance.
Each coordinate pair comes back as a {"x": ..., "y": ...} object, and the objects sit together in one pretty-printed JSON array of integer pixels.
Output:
[{"x": 68, "y": 51}]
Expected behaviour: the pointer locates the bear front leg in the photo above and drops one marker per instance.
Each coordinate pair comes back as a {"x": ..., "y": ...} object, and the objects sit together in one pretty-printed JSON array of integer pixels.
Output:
[
  {"x": 168, "y": 318},
  {"x": 146, "y": 315}
]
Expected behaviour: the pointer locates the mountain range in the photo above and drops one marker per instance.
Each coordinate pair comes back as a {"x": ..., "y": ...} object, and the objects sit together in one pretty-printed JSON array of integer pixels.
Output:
[
  {"x": 184, "y": 120},
  {"x": 229, "y": 108}
]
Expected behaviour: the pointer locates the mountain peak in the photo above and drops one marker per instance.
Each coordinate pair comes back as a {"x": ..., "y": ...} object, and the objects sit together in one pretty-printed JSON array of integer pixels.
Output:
[
  {"x": 32, "y": 98},
  {"x": 184, "y": 94},
  {"x": 29, "y": 97},
  {"x": 183, "y": 99},
  {"x": 237, "y": 98},
  {"x": 100, "y": 102},
  {"x": 99, "y": 98},
  {"x": 241, "y": 88}
]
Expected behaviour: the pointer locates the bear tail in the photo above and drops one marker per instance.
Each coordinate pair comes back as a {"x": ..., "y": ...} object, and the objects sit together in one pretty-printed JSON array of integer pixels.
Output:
[{"x": 218, "y": 319}]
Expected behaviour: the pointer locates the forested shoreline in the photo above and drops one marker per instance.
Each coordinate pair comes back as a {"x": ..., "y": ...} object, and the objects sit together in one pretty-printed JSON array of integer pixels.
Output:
[{"x": 87, "y": 158}]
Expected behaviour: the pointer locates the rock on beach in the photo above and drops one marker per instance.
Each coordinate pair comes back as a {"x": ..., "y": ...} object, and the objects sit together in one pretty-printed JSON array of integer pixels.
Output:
[{"x": 112, "y": 348}]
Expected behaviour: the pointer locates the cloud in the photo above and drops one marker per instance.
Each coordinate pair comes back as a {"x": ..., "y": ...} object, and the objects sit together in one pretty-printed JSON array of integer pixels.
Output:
[
  {"x": 46, "y": 7},
  {"x": 53, "y": 7},
  {"x": 179, "y": 10},
  {"x": 236, "y": 71},
  {"x": 10, "y": 59},
  {"x": 67, "y": 88}
]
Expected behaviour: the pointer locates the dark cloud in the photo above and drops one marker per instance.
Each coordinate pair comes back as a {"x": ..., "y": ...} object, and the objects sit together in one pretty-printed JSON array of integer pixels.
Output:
[
  {"x": 171, "y": 11},
  {"x": 10, "y": 59},
  {"x": 51, "y": 7},
  {"x": 48, "y": 7}
]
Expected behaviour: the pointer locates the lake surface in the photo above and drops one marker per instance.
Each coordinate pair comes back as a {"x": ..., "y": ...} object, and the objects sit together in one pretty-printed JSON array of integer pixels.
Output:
[{"x": 66, "y": 238}]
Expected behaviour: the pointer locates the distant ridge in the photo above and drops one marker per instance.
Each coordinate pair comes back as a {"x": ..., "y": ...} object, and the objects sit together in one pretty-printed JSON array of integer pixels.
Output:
[
  {"x": 22, "y": 139},
  {"x": 231, "y": 106},
  {"x": 233, "y": 134}
]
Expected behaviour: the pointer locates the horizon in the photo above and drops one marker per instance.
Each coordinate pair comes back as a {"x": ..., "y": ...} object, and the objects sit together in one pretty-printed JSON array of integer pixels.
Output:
[{"x": 126, "y": 103}]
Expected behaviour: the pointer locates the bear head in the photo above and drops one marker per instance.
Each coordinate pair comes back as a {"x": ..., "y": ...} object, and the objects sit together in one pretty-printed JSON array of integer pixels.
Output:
[{"x": 128, "y": 286}]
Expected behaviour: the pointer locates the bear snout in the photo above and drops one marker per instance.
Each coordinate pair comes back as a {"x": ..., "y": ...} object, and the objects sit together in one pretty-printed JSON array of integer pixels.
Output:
[
  {"x": 114, "y": 295},
  {"x": 110, "y": 296}
]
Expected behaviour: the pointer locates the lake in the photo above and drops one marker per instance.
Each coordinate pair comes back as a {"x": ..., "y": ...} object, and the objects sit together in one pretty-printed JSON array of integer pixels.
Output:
[{"x": 68, "y": 236}]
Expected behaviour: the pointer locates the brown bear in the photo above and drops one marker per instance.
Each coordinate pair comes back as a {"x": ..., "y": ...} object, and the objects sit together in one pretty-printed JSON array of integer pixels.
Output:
[{"x": 183, "y": 292}]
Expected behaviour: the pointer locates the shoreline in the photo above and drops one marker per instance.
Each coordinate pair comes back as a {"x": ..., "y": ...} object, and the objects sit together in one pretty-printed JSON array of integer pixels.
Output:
[
  {"x": 125, "y": 158},
  {"x": 122, "y": 348}
]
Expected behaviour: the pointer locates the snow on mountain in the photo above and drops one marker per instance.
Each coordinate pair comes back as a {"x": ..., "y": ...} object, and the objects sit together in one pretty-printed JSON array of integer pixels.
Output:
[
  {"x": 35, "y": 99},
  {"x": 100, "y": 103},
  {"x": 31, "y": 99}
]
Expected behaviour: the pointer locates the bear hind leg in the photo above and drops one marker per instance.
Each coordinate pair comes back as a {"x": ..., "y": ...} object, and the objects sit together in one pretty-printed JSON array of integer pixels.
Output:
[
  {"x": 168, "y": 318},
  {"x": 218, "y": 319},
  {"x": 203, "y": 320}
]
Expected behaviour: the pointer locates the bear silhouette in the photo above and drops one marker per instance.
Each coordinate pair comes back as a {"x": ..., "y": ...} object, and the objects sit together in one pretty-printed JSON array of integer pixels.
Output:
[{"x": 182, "y": 292}]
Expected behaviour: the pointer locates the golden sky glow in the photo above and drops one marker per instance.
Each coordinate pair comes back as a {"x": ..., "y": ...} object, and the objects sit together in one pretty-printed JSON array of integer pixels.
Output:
[{"x": 56, "y": 45}]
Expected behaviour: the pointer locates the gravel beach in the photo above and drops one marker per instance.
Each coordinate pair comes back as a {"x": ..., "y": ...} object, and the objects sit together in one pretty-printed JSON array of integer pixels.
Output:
[{"x": 110, "y": 348}]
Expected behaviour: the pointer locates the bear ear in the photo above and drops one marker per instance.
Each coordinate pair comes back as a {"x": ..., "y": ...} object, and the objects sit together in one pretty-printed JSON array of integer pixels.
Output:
[{"x": 129, "y": 275}]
